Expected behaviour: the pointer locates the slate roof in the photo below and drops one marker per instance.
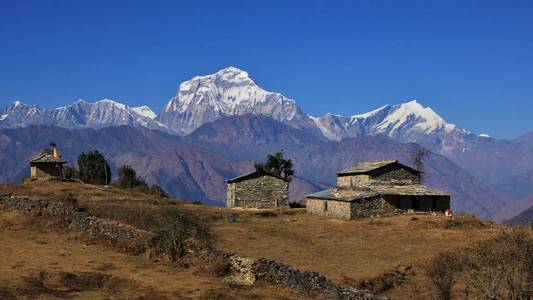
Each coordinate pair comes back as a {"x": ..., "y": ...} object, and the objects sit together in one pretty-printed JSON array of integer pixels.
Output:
[
  {"x": 368, "y": 166},
  {"x": 376, "y": 190},
  {"x": 47, "y": 158},
  {"x": 254, "y": 174}
]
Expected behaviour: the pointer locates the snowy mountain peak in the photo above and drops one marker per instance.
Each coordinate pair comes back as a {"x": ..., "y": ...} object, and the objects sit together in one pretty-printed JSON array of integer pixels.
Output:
[
  {"x": 233, "y": 72},
  {"x": 370, "y": 113},
  {"x": 80, "y": 101},
  {"x": 230, "y": 91},
  {"x": 144, "y": 111},
  {"x": 414, "y": 115},
  {"x": 404, "y": 121},
  {"x": 80, "y": 114},
  {"x": 112, "y": 103}
]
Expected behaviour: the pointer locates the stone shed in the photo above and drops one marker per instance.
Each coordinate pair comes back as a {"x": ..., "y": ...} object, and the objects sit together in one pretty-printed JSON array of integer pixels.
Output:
[
  {"x": 47, "y": 165},
  {"x": 257, "y": 190},
  {"x": 373, "y": 188}
]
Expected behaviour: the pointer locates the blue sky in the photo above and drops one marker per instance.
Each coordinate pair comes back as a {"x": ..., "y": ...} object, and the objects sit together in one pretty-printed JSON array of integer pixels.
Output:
[{"x": 471, "y": 61}]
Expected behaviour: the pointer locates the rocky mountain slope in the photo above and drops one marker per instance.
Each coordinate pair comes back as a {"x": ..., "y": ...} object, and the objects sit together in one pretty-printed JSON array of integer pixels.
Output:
[{"x": 525, "y": 217}]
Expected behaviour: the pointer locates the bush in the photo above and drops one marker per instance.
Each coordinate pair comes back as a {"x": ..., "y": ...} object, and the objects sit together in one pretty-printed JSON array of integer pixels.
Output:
[
  {"x": 442, "y": 271},
  {"x": 156, "y": 190},
  {"x": 70, "y": 199},
  {"x": 70, "y": 173},
  {"x": 93, "y": 168},
  {"x": 127, "y": 179},
  {"x": 277, "y": 165},
  {"x": 503, "y": 266},
  {"x": 464, "y": 221},
  {"x": 180, "y": 234},
  {"x": 497, "y": 268},
  {"x": 216, "y": 265}
]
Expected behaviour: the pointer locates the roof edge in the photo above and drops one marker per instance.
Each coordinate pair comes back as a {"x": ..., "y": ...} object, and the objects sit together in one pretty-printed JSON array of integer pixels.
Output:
[{"x": 250, "y": 175}]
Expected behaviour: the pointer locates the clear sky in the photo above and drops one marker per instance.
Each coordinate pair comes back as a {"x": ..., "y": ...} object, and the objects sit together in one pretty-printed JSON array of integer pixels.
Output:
[{"x": 471, "y": 61}]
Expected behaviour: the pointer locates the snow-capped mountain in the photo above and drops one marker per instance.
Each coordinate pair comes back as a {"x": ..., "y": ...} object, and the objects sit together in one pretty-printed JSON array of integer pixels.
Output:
[
  {"x": 19, "y": 113},
  {"x": 232, "y": 91},
  {"x": 228, "y": 92},
  {"x": 80, "y": 114},
  {"x": 406, "y": 122}
]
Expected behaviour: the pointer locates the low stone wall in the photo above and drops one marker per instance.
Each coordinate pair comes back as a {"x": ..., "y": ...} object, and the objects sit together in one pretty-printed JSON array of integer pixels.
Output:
[
  {"x": 312, "y": 283},
  {"x": 133, "y": 240},
  {"x": 248, "y": 271}
]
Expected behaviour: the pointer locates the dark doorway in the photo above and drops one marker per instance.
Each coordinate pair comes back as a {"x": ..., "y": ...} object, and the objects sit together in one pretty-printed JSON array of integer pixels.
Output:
[{"x": 416, "y": 203}]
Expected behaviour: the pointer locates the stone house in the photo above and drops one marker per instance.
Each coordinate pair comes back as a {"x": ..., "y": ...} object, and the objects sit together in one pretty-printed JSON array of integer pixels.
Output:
[
  {"x": 376, "y": 188},
  {"x": 47, "y": 165},
  {"x": 257, "y": 190}
]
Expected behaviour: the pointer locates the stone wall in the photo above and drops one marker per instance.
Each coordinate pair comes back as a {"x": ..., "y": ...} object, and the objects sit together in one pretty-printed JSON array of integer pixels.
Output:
[
  {"x": 394, "y": 174},
  {"x": 243, "y": 270},
  {"x": 260, "y": 192},
  {"x": 131, "y": 239},
  {"x": 329, "y": 208},
  {"x": 348, "y": 181},
  {"x": 274, "y": 272},
  {"x": 372, "y": 207}
]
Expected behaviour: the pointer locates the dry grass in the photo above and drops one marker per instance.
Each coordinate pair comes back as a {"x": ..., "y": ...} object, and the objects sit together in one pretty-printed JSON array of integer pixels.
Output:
[
  {"x": 42, "y": 262},
  {"x": 358, "y": 249},
  {"x": 354, "y": 252}
]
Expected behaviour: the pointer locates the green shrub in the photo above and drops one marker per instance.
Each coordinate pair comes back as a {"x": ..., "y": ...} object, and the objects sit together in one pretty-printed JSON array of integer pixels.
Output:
[
  {"x": 70, "y": 173},
  {"x": 93, "y": 168},
  {"x": 127, "y": 179}
]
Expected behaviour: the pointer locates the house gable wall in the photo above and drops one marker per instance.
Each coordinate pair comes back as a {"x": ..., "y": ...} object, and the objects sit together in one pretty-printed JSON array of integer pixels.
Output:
[
  {"x": 395, "y": 173},
  {"x": 260, "y": 192}
]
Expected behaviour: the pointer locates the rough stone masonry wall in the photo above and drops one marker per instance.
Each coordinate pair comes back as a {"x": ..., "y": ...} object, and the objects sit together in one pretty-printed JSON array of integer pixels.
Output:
[
  {"x": 134, "y": 240},
  {"x": 329, "y": 208},
  {"x": 261, "y": 192},
  {"x": 372, "y": 207},
  {"x": 312, "y": 283},
  {"x": 396, "y": 174}
]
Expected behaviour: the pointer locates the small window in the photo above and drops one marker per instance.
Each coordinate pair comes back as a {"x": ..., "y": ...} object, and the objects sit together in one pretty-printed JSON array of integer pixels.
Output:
[{"x": 325, "y": 205}]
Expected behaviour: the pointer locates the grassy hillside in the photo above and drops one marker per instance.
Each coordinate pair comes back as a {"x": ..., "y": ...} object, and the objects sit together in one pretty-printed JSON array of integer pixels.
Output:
[
  {"x": 387, "y": 255},
  {"x": 40, "y": 261}
]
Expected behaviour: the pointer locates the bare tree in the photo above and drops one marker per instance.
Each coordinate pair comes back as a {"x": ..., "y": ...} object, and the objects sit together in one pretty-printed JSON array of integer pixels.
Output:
[{"x": 418, "y": 160}]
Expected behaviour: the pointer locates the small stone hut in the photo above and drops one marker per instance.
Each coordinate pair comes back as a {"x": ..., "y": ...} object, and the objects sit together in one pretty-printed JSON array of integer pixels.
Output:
[
  {"x": 47, "y": 165},
  {"x": 257, "y": 190},
  {"x": 376, "y": 188}
]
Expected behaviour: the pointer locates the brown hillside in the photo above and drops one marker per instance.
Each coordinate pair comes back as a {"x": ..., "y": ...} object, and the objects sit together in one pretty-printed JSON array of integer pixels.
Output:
[{"x": 346, "y": 251}]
